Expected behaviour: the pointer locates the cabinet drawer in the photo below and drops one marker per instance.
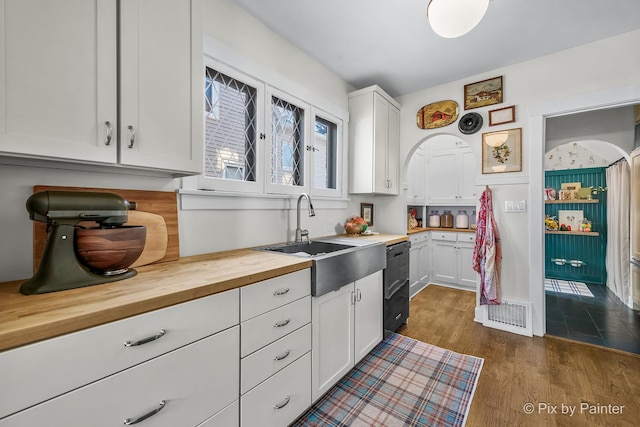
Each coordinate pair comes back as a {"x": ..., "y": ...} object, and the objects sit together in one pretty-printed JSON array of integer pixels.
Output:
[
  {"x": 265, "y": 362},
  {"x": 267, "y": 295},
  {"x": 444, "y": 235},
  {"x": 264, "y": 329},
  {"x": 418, "y": 238},
  {"x": 39, "y": 371},
  {"x": 467, "y": 237},
  {"x": 228, "y": 417},
  {"x": 281, "y": 399},
  {"x": 191, "y": 386}
]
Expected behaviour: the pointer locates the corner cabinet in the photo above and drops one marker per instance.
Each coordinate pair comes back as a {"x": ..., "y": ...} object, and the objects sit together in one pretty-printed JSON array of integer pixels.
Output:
[
  {"x": 374, "y": 142},
  {"x": 451, "y": 258},
  {"x": 65, "y": 98},
  {"x": 347, "y": 324}
]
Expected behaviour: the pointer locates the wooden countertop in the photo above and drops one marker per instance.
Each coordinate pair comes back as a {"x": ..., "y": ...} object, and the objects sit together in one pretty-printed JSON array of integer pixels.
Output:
[
  {"x": 458, "y": 230},
  {"x": 25, "y": 319}
]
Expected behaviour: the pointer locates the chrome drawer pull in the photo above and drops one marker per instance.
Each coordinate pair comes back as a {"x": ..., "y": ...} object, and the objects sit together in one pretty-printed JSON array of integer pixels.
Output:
[
  {"x": 398, "y": 316},
  {"x": 130, "y": 422},
  {"x": 281, "y": 292},
  {"x": 282, "y": 404},
  {"x": 282, "y": 355},
  {"x": 145, "y": 340},
  {"x": 283, "y": 323}
]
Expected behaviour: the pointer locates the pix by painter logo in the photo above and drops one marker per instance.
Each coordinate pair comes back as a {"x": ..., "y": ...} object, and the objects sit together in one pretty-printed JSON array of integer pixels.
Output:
[{"x": 571, "y": 410}]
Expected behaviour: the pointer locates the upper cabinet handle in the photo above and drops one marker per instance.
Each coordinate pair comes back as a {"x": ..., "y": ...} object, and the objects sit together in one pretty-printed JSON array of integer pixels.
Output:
[
  {"x": 107, "y": 133},
  {"x": 132, "y": 136},
  {"x": 159, "y": 335}
]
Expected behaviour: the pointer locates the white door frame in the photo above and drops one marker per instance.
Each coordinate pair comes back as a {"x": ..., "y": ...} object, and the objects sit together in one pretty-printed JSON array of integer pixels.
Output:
[{"x": 538, "y": 113}]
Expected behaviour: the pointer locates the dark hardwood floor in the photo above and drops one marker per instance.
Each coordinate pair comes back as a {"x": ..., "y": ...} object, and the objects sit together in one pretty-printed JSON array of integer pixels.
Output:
[
  {"x": 602, "y": 319},
  {"x": 546, "y": 372}
]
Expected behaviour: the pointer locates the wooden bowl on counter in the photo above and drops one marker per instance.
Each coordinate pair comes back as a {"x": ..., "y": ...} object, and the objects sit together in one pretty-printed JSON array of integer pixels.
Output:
[{"x": 109, "y": 250}]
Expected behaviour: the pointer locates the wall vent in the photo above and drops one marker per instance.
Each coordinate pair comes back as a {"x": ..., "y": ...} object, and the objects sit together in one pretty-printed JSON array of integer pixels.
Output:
[{"x": 511, "y": 316}]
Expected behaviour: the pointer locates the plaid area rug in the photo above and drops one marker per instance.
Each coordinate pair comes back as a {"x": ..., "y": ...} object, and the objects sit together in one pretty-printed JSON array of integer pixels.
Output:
[
  {"x": 401, "y": 382},
  {"x": 567, "y": 287}
]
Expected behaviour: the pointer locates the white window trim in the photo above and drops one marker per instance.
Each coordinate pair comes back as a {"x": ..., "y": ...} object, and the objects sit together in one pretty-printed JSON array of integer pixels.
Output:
[
  {"x": 272, "y": 188},
  {"x": 237, "y": 195},
  {"x": 232, "y": 185},
  {"x": 340, "y": 154}
]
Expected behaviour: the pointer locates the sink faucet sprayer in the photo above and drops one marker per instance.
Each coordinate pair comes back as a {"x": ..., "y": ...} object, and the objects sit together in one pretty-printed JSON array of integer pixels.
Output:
[{"x": 299, "y": 232}]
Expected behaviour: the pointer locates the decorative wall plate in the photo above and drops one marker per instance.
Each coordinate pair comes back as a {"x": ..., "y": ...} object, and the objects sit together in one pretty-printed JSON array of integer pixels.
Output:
[
  {"x": 437, "y": 114},
  {"x": 470, "y": 123}
]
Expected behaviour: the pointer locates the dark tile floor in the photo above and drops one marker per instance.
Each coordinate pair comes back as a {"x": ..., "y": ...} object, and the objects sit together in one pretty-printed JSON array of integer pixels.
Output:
[{"x": 603, "y": 320}]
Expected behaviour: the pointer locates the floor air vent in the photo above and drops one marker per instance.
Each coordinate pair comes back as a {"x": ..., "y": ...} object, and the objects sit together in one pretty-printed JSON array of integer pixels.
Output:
[{"x": 510, "y": 316}]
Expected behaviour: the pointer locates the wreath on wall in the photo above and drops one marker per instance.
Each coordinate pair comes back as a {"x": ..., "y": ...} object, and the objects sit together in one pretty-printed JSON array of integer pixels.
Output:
[{"x": 501, "y": 153}]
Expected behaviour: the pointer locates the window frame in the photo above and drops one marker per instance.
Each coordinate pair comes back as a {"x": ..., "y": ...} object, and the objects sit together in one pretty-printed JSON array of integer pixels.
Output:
[
  {"x": 339, "y": 154},
  {"x": 234, "y": 185}
]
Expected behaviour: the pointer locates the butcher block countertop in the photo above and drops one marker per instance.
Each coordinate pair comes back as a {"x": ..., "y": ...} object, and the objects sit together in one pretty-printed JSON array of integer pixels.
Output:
[
  {"x": 423, "y": 229},
  {"x": 26, "y": 319}
]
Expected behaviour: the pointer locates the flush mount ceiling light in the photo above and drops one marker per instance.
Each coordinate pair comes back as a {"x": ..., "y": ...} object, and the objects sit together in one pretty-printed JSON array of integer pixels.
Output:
[{"x": 454, "y": 18}]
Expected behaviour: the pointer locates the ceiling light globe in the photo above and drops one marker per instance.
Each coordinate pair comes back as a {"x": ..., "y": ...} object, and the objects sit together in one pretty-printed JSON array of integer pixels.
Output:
[{"x": 454, "y": 18}]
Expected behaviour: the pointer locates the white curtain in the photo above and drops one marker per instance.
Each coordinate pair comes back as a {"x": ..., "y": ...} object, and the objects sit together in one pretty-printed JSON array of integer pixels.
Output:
[{"x": 618, "y": 228}]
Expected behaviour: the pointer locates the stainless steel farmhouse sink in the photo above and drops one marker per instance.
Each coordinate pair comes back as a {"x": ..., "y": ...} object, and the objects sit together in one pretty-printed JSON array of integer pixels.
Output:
[{"x": 335, "y": 261}]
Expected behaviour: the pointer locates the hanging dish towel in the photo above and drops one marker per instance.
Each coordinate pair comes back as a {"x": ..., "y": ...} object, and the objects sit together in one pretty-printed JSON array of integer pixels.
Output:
[{"x": 487, "y": 255}]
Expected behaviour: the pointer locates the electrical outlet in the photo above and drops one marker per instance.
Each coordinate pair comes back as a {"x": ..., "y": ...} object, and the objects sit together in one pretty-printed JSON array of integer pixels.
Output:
[{"x": 329, "y": 225}]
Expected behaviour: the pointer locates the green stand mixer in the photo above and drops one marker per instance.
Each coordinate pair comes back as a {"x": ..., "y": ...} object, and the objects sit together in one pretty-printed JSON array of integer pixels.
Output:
[{"x": 76, "y": 255}]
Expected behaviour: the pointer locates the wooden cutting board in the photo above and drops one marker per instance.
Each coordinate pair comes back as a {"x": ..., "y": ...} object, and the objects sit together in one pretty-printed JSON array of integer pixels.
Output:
[
  {"x": 155, "y": 246},
  {"x": 163, "y": 203}
]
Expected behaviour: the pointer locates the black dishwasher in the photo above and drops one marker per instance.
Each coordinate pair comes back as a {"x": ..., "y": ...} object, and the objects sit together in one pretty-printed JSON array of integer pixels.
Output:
[{"x": 396, "y": 287}]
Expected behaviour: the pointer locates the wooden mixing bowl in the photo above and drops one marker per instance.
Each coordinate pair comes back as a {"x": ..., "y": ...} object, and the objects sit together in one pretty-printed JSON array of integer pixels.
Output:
[{"x": 109, "y": 250}]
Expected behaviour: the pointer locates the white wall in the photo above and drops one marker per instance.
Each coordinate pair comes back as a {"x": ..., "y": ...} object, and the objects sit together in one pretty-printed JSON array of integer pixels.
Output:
[{"x": 573, "y": 74}]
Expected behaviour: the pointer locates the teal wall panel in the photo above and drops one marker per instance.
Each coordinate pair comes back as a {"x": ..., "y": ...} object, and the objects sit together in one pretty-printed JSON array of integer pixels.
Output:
[{"x": 589, "y": 249}]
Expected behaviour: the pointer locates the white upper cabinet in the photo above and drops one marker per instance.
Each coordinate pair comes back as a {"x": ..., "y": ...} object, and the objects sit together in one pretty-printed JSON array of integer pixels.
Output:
[
  {"x": 156, "y": 80},
  {"x": 416, "y": 178},
  {"x": 59, "y": 80},
  {"x": 374, "y": 142},
  {"x": 451, "y": 173}
]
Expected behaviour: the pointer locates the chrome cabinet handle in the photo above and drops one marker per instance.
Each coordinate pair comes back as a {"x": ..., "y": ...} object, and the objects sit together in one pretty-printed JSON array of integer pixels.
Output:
[
  {"x": 282, "y": 355},
  {"x": 353, "y": 298},
  {"x": 132, "y": 136},
  {"x": 281, "y": 292},
  {"x": 130, "y": 422},
  {"x": 285, "y": 322},
  {"x": 358, "y": 295},
  {"x": 159, "y": 335},
  {"x": 282, "y": 404},
  {"x": 107, "y": 133}
]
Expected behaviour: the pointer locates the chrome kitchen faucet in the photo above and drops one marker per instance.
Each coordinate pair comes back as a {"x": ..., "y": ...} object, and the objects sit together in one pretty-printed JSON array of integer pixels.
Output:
[{"x": 299, "y": 232}]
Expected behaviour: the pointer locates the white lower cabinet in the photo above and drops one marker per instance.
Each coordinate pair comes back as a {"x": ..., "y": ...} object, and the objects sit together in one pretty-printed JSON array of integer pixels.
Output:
[
  {"x": 451, "y": 259},
  {"x": 180, "y": 388},
  {"x": 347, "y": 324},
  {"x": 228, "y": 417},
  {"x": 275, "y": 377},
  {"x": 419, "y": 262},
  {"x": 280, "y": 399}
]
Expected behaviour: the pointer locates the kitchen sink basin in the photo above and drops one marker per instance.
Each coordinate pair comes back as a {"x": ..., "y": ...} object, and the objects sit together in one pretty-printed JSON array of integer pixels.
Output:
[
  {"x": 311, "y": 248},
  {"x": 335, "y": 262}
]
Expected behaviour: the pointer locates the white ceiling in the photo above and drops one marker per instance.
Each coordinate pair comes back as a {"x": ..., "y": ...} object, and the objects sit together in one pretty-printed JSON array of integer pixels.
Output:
[{"x": 390, "y": 43}]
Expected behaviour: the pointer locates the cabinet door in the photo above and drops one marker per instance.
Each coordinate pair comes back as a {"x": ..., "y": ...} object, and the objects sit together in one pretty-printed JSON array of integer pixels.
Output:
[
  {"x": 58, "y": 79},
  {"x": 368, "y": 314},
  {"x": 393, "y": 149},
  {"x": 156, "y": 79},
  {"x": 414, "y": 265},
  {"x": 467, "y": 177},
  {"x": 332, "y": 338},
  {"x": 380, "y": 143},
  {"x": 424, "y": 264},
  {"x": 442, "y": 177},
  {"x": 467, "y": 276},
  {"x": 416, "y": 178},
  {"x": 444, "y": 261}
]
